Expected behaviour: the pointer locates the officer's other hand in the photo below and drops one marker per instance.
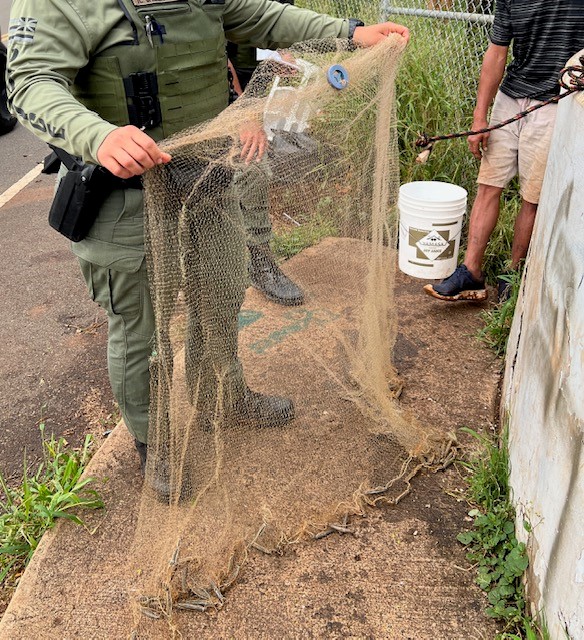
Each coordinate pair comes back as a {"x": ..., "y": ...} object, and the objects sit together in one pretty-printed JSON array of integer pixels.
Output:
[
  {"x": 234, "y": 78},
  {"x": 368, "y": 36},
  {"x": 478, "y": 144},
  {"x": 254, "y": 142},
  {"x": 128, "y": 151}
]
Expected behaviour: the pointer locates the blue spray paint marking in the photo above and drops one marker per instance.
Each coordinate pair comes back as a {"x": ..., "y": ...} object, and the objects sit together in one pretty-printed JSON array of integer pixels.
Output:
[
  {"x": 299, "y": 320},
  {"x": 247, "y": 317}
]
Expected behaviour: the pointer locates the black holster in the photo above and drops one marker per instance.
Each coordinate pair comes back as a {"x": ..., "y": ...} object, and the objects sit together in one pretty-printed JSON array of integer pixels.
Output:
[{"x": 80, "y": 194}]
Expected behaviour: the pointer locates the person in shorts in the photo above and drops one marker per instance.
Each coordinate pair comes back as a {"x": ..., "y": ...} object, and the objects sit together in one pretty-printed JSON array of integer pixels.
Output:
[{"x": 544, "y": 35}]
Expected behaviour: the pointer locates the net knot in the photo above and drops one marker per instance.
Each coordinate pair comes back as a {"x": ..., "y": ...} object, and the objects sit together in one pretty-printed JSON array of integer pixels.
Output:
[{"x": 423, "y": 140}]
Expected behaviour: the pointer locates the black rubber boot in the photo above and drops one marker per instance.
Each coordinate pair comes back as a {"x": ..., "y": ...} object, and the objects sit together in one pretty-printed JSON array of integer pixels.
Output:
[
  {"x": 257, "y": 410},
  {"x": 266, "y": 275},
  {"x": 160, "y": 480},
  {"x": 142, "y": 450}
]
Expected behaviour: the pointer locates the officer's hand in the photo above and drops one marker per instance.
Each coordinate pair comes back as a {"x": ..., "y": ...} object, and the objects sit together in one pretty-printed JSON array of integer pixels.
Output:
[
  {"x": 368, "y": 36},
  {"x": 254, "y": 142},
  {"x": 128, "y": 151},
  {"x": 478, "y": 144}
]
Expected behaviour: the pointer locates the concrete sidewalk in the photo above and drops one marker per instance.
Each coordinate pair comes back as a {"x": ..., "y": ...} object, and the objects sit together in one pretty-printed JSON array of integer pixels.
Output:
[{"x": 402, "y": 575}]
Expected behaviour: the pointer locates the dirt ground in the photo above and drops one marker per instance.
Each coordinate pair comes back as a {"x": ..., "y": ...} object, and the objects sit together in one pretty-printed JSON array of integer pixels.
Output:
[{"x": 399, "y": 575}]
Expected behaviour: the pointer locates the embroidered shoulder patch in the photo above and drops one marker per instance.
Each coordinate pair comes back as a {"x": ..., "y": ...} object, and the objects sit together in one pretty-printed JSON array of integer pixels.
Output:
[{"x": 22, "y": 30}]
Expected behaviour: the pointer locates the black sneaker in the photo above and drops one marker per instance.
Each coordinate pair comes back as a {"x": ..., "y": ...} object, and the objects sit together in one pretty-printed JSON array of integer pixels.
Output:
[
  {"x": 503, "y": 289},
  {"x": 7, "y": 120},
  {"x": 461, "y": 285},
  {"x": 266, "y": 275}
]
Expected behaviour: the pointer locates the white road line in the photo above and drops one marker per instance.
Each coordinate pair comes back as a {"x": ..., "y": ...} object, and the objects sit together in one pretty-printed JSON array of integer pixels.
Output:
[{"x": 17, "y": 187}]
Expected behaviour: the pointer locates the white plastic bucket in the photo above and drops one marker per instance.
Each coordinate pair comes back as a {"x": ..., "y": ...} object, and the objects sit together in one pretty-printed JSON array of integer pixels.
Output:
[{"x": 430, "y": 223}]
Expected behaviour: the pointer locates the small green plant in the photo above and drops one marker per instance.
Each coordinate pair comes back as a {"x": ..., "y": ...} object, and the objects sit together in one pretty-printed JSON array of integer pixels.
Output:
[
  {"x": 54, "y": 491},
  {"x": 497, "y": 327},
  {"x": 492, "y": 546}
]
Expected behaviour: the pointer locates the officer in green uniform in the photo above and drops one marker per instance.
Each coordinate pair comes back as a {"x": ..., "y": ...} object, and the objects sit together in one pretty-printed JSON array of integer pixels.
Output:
[
  {"x": 106, "y": 80},
  {"x": 264, "y": 272}
]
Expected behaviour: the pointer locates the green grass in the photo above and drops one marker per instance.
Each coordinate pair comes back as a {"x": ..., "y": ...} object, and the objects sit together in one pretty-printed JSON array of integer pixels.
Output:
[
  {"x": 492, "y": 546},
  {"x": 498, "y": 254},
  {"x": 55, "y": 490},
  {"x": 363, "y": 9},
  {"x": 432, "y": 101},
  {"x": 497, "y": 320},
  {"x": 290, "y": 241}
]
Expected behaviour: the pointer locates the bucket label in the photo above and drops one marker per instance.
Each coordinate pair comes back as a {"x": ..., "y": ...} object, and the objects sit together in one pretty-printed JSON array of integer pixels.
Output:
[{"x": 432, "y": 245}]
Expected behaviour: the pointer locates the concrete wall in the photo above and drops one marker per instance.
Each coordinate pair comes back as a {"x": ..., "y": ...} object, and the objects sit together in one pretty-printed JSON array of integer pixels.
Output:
[{"x": 543, "y": 391}]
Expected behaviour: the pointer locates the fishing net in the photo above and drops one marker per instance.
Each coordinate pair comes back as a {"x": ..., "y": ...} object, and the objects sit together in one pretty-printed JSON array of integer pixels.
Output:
[{"x": 230, "y": 472}]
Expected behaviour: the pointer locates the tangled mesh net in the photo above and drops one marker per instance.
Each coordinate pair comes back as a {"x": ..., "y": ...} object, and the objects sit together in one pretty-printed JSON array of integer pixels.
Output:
[{"x": 224, "y": 479}]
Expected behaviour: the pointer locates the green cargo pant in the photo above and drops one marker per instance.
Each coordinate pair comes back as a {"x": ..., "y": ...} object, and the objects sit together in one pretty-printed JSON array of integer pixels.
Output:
[
  {"x": 253, "y": 187},
  {"x": 125, "y": 297},
  {"x": 113, "y": 265},
  {"x": 212, "y": 240}
]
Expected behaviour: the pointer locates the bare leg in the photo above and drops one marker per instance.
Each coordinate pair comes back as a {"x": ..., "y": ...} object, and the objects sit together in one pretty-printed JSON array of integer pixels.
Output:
[
  {"x": 483, "y": 219},
  {"x": 522, "y": 232}
]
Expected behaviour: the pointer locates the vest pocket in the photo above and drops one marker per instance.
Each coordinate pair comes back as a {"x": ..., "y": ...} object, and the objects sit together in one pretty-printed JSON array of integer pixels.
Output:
[
  {"x": 166, "y": 8},
  {"x": 100, "y": 87},
  {"x": 193, "y": 83}
]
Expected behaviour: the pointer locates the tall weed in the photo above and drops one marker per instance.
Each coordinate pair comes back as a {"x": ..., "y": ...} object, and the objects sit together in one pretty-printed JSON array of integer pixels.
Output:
[{"x": 498, "y": 320}]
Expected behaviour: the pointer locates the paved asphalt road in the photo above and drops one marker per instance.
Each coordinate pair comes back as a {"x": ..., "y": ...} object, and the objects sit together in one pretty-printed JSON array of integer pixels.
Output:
[{"x": 52, "y": 336}]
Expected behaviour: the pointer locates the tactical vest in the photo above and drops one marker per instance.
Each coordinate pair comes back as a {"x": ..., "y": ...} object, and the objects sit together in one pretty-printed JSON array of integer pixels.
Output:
[{"x": 171, "y": 75}]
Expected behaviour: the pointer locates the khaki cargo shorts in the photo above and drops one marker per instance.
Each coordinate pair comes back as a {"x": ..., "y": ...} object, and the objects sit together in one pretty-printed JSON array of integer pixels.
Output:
[{"x": 521, "y": 148}]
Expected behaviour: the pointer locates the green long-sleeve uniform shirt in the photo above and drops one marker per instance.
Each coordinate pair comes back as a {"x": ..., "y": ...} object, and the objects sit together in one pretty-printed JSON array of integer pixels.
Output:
[{"x": 51, "y": 41}]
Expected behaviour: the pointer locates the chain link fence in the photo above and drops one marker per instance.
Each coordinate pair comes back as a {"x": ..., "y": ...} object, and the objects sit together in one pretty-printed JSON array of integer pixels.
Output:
[
  {"x": 459, "y": 29},
  {"x": 439, "y": 76}
]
